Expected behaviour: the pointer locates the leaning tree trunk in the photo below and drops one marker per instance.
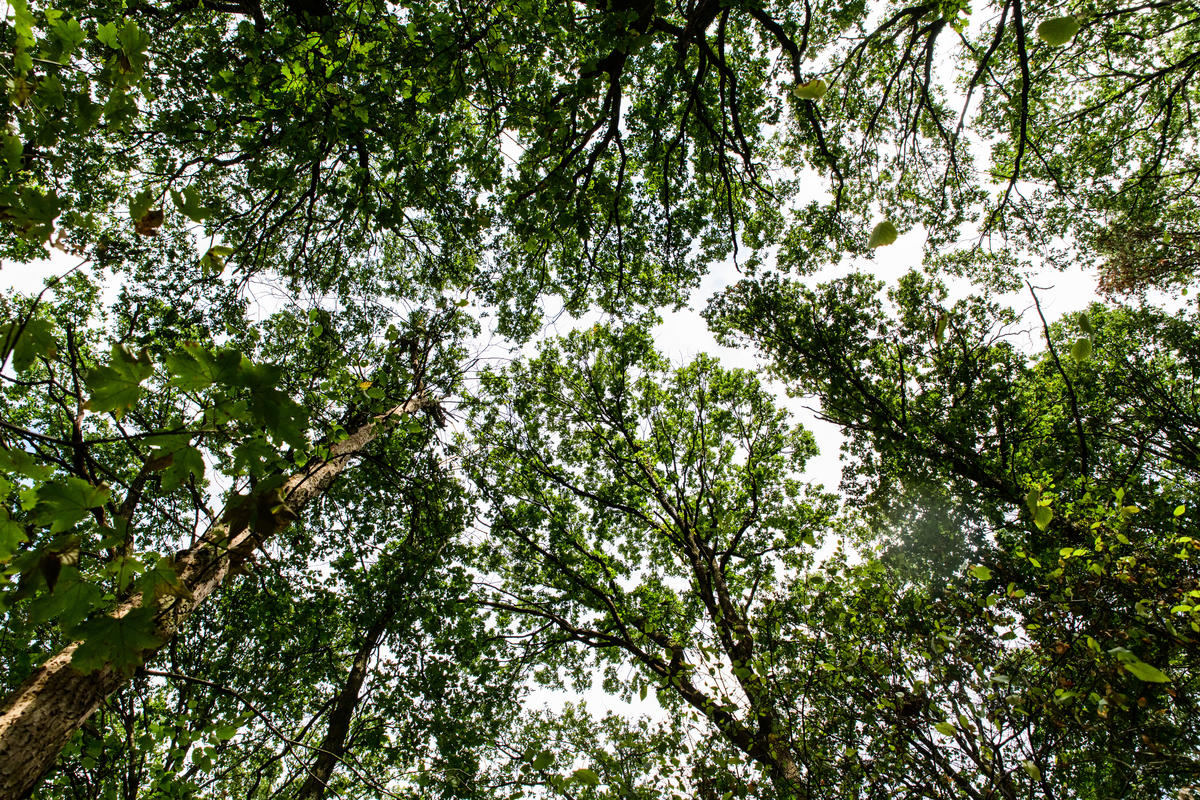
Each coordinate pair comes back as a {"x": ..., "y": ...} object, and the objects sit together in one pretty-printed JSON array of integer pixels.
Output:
[
  {"x": 333, "y": 746},
  {"x": 40, "y": 716}
]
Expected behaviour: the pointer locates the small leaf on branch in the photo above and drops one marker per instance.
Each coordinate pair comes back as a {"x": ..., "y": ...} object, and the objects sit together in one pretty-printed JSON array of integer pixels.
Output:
[
  {"x": 1042, "y": 517},
  {"x": 1032, "y": 499},
  {"x": 586, "y": 776},
  {"x": 939, "y": 330},
  {"x": 189, "y": 204},
  {"x": 213, "y": 262},
  {"x": 1058, "y": 31},
  {"x": 811, "y": 90},
  {"x": 883, "y": 234},
  {"x": 1145, "y": 672}
]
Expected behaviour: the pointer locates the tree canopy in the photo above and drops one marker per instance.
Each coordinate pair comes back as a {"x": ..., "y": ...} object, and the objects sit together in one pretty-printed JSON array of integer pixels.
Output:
[{"x": 306, "y": 497}]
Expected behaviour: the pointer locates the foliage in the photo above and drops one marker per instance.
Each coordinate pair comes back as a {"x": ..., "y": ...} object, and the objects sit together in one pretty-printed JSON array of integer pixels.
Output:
[{"x": 278, "y": 534}]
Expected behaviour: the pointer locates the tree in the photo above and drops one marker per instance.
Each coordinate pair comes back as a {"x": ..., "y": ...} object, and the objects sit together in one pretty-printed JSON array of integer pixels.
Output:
[
  {"x": 375, "y": 165},
  {"x": 344, "y": 659},
  {"x": 650, "y": 137},
  {"x": 1081, "y": 465},
  {"x": 92, "y": 546},
  {"x": 603, "y": 456},
  {"x": 848, "y": 679}
]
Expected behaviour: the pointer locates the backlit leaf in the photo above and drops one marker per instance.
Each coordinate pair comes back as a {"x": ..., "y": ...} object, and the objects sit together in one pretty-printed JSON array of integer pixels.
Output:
[
  {"x": 117, "y": 642},
  {"x": 1145, "y": 672},
  {"x": 586, "y": 776},
  {"x": 1043, "y": 517},
  {"x": 117, "y": 386},
  {"x": 27, "y": 341},
  {"x": 61, "y": 504},
  {"x": 981, "y": 573},
  {"x": 811, "y": 90},
  {"x": 883, "y": 234},
  {"x": 1058, "y": 31}
]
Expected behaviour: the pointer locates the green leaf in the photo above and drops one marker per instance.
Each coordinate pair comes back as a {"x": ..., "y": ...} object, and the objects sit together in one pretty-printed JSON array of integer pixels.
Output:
[
  {"x": 117, "y": 386},
  {"x": 1145, "y": 672},
  {"x": 133, "y": 42},
  {"x": 140, "y": 205},
  {"x": 25, "y": 41},
  {"x": 945, "y": 728},
  {"x": 542, "y": 760},
  {"x": 116, "y": 642},
  {"x": 224, "y": 733},
  {"x": 213, "y": 262},
  {"x": 185, "y": 461},
  {"x": 194, "y": 367},
  {"x": 25, "y": 342},
  {"x": 981, "y": 573},
  {"x": 107, "y": 34},
  {"x": 189, "y": 204},
  {"x": 1042, "y": 517},
  {"x": 254, "y": 456},
  {"x": 69, "y": 33},
  {"x": 1082, "y": 349},
  {"x": 811, "y": 90},
  {"x": 586, "y": 776},
  {"x": 35, "y": 213},
  {"x": 162, "y": 579},
  {"x": 883, "y": 234},
  {"x": 12, "y": 535},
  {"x": 1032, "y": 770},
  {"x": 61, "y": 504},
  {"x": 1058, "y": 31},
  {"x": 1180, "y": 511},
  {"x": 71, "y": 601},
  {"x": 1085, "y": 324},
  {"x": 939, "y": 330},
  {"x": 1032, "y": 499},
  {"x": 11, "y": 152}
]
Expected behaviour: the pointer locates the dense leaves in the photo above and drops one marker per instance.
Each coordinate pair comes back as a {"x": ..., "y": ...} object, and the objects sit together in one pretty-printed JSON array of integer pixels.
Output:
[{"x": 294, "y": 505}]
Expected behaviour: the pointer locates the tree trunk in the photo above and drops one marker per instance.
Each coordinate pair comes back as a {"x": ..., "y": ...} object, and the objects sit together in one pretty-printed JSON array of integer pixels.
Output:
[
  {"x": 333, "y": 746},
  {"x": 41, "y": 715}
]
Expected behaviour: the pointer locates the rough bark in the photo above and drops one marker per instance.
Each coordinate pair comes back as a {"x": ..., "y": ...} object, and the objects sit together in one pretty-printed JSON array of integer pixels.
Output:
[{"x": 40, "y": 716}]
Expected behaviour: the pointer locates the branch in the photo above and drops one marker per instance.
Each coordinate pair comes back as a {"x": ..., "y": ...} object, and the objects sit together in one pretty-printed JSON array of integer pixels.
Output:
[{"x": 1083, "y": 448}]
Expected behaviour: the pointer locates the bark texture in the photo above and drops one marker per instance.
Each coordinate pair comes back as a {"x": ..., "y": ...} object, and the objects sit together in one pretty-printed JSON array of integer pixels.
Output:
[{"x": 40, "y": 716}]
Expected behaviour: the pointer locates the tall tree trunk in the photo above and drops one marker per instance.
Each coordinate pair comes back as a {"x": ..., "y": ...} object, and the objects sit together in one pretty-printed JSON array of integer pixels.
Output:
[
  {"x": 41, "y": 715},
  {"x": 333, "y": 746}
]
